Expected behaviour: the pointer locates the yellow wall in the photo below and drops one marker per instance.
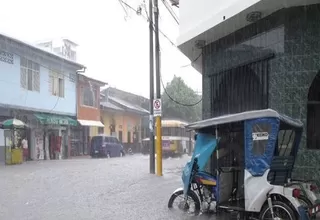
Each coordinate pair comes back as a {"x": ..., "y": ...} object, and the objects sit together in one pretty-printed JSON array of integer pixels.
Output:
[
  {"x": 93, "y": 131},
  {"x": 122, "y": 120}
]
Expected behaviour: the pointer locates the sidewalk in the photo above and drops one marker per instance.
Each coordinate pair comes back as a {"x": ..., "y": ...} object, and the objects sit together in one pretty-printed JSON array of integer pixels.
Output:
[{"x": 80, "y": 157}]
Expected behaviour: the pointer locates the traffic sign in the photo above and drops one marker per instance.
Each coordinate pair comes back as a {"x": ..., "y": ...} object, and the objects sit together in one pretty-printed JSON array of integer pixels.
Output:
[{"x": 157, "y": 107}]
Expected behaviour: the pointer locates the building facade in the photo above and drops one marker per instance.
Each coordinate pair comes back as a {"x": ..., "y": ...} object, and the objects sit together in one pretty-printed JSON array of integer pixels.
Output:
[
  {"x": 88, "y": 114},
  {"x": 39, "y": 88},
  {"x": 256, "y": 56},
  {"x": 123, "y": 119}
]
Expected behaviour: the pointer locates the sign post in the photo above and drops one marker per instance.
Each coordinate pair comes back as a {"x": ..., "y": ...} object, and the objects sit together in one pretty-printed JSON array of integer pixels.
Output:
[
  {"x": 157, "y": 112},
  {"x": 157, "y": 104}
]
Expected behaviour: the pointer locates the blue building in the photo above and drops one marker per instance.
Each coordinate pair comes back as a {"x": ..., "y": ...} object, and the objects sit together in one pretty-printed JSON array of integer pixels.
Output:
[{"x": 39, "y": 88}]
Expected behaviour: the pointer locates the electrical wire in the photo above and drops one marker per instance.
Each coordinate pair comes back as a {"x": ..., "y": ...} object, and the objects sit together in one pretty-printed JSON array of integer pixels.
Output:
[
  {"x": 164, "y": 89},
  {"x": 124, "y": 9},
  {"x": 55, "y": 105},
  {"x": 192, "y": 61},
  {"x": 147, "y": 19},
  {"x": 175, "y": 101}
]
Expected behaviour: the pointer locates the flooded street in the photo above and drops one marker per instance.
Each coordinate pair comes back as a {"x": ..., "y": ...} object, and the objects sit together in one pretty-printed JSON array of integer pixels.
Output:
[{"x": 116, "y": 188}]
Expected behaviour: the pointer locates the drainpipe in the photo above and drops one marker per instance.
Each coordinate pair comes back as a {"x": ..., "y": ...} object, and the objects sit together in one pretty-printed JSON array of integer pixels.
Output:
[{"x": 83, "y": 70}]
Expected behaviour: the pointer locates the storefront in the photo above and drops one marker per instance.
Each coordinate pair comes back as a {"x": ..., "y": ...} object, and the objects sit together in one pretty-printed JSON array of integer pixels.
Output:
[
  {"x": 82, "y": 134},
  {"x": 50, "y": 136}
]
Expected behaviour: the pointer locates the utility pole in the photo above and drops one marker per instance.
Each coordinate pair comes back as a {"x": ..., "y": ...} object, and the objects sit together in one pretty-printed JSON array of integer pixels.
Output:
[
  {"x": 151, "y": 123},
  {"x": 158, "y": 118}
]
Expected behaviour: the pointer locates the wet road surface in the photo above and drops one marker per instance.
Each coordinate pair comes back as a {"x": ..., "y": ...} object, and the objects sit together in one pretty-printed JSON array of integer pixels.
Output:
[{"x": 116, "y": 188}]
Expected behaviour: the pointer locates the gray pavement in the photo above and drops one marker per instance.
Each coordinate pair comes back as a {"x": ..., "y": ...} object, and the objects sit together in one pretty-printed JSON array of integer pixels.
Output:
[{"x": 116, "y": 188}]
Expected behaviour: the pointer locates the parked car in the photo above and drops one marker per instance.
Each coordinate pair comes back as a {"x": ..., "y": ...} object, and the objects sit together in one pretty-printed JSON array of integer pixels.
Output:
[{"x": 106, "y": 146}]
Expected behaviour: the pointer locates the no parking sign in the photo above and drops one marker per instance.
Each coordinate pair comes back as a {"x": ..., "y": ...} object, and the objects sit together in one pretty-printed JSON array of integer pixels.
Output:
[{"x": 157, "y": 107}]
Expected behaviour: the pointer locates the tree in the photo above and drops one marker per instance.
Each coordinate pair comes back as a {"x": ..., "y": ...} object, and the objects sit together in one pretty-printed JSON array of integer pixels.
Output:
[{"x": 177, "y": 91}]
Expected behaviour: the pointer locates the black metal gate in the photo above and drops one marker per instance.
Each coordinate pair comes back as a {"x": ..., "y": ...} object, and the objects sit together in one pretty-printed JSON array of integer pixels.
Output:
[{"x": 241, "y": 88}]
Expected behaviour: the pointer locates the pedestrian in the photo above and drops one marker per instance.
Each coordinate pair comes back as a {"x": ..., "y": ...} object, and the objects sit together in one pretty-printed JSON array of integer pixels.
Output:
[{"x": 25, "y": 149}]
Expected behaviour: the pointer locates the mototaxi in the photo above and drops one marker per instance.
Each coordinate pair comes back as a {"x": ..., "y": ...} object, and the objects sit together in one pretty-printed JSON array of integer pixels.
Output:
[{"x": 242, "y": 164}]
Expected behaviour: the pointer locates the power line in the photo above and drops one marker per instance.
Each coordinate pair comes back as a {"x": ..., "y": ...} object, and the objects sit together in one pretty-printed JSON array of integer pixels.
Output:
[
  {"x": 147, "y": 19},
  {"x": 192, "y": 61},
  {"x": 161, "y": 32},
  {"x": 124, "y": 9},
  {"x": 173, "y": 44},
  {"x": 175, "y": 101}
]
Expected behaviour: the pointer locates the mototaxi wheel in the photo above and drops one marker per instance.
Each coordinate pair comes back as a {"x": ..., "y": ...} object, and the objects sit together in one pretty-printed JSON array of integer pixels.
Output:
[
  {"x": 280, "y": 209},
  {"x": 304, "y": 201},
  {"x": 185, "y": 207}
]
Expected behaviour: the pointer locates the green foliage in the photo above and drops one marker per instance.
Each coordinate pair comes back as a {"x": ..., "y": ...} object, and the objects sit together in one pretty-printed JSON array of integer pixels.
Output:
[{"x": 180, "y": 92}]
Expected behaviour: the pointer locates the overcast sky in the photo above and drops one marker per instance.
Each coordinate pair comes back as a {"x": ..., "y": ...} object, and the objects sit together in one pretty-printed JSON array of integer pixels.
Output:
[{"x": 115, "y": 50}]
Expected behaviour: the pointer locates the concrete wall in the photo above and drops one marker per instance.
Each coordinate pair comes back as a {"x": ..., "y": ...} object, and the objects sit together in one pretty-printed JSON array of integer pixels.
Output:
[
  {"x": 88, "y": 112},
  {"x": 124, "y": 122}
]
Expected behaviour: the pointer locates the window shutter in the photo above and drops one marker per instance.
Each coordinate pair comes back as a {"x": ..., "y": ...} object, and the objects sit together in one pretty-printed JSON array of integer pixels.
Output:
[
  {"x": 23, "y": 78},
  {"x": 36, "y": 81},
  {"x": 51, "y": 83}
]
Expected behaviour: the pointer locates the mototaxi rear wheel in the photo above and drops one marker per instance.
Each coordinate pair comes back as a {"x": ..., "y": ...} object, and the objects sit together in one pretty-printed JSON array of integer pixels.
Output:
[
  {"x": 185, "y": 206},
  {"x": 304, "y": 201},
  {"x": 281, "y": 211}
]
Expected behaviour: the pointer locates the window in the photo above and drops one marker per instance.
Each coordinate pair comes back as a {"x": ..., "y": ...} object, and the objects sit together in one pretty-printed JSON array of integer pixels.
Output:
[
  {"x": 260, "y": 137},
  {"x": 285, "y": 142},
  {"x": 129, "y": 137},
  {"x": 101, "y": 130},
  {"x": 89, "y": 97},
  {"x": 120, "y": 136},
  {"x": 174, "y": 131},
  {"x": 56, "y": 84},
  {"x": 61, "y": 87},
  {"x": 313, "y": 114},
  {"x": 29, "y": 75}
]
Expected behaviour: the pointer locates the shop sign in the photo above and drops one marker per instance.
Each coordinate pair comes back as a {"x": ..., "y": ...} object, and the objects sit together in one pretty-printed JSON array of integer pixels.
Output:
[{"x": 56, "y": 121}]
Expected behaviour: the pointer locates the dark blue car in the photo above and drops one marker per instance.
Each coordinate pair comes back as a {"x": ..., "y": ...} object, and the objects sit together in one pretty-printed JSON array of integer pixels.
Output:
[{"x": 106, "y": 146}]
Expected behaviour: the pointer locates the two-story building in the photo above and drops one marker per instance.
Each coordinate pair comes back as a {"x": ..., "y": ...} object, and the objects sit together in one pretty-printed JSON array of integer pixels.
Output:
[
  {"x": 123, "y": 118},
  {"x": 88, "y": 114},
  {"x": 256, "y": 54},
  {"x": 39, "y": 87}
]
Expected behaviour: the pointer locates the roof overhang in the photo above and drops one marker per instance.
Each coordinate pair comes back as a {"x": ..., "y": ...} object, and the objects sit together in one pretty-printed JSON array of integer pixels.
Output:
[
  {"x": 90, "y": 123},
  {"x": 215, "y": 28},
  {"x": 243, "y": 116},
  {"x": 86, "y": 79}
]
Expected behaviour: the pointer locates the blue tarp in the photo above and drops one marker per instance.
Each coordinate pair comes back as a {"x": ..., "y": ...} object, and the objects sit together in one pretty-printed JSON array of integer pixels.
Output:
[
  {"x": 204, "y": 146},
  {"x": 257, "y": 164}
]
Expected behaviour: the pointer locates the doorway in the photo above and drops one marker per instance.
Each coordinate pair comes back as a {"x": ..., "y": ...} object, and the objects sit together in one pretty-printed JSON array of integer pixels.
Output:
[
  {"x": 129, "y": 137},
  {"x": 120, "y": 136}
]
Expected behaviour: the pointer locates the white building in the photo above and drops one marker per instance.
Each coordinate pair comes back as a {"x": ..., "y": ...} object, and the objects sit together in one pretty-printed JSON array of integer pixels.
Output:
[{"x": 63, "y": 47}]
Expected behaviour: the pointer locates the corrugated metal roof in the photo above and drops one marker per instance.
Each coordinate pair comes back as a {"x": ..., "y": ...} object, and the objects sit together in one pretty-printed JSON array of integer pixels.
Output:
[
  {"x": 129, "y": 105},
  {"x": 111, "y": 106}
]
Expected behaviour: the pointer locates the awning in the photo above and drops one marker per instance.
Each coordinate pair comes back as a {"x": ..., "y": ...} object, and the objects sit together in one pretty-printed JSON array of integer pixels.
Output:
[
  {"x": 49, "y": 119},
  {"x": 91, "y": 123}
]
